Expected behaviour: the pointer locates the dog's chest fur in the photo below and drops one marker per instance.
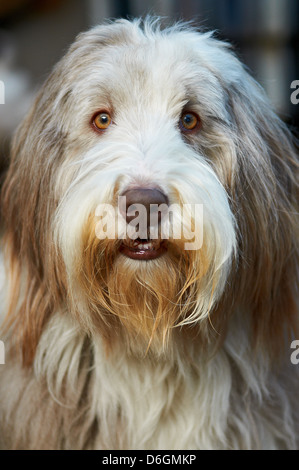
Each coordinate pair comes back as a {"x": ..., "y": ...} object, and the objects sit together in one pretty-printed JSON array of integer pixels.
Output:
[{"x": 123, "y": 402}]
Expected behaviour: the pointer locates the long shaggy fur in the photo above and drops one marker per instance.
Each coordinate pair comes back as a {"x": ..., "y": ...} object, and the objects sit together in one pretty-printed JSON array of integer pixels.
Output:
[{"x": 190, "y": 350}]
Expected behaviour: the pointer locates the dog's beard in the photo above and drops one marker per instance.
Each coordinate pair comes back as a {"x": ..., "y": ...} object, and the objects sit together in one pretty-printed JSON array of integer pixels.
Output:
[{"x": 144, "y": 302}]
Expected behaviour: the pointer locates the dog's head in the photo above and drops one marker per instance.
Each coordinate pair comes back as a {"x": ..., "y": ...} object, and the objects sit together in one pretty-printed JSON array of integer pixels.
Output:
[{"x": 138, "y": 117}]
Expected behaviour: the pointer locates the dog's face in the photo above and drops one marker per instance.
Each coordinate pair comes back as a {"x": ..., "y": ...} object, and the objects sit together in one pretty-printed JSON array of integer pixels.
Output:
[
  {"x": 139, "y": 122},
  {"x": 156, "y": 117}
]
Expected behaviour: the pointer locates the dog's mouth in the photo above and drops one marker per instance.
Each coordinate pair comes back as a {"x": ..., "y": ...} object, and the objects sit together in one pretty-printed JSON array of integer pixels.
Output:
[{"x": 143, "y": 249}]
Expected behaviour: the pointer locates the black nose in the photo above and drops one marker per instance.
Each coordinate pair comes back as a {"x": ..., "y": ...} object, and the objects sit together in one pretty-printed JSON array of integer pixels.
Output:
[{"x": 147, "y": 198}]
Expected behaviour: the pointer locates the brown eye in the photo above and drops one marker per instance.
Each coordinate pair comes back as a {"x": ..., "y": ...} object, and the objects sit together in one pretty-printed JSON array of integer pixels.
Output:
[
  {"x": 102, "y": 120},
  {"x": 189, "y": 121}
]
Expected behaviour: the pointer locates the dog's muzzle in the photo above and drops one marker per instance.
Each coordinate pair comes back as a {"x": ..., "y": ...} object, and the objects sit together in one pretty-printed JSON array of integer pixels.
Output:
[{"x": 149, "y": 204}]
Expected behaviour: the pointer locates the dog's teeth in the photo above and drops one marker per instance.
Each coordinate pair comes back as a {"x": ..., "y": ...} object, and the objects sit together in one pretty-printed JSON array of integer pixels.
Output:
[{"x": 145, "y": 246}]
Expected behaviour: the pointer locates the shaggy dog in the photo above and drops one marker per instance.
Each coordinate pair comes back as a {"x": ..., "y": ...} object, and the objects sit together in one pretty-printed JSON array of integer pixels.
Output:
[{"x": 150, "y": 342}]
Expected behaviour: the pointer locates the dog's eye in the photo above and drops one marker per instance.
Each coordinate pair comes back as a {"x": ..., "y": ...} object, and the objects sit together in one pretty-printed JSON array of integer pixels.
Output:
[
  {"x": 102, "y": 120},
  {"x": 189, "y": 121}
]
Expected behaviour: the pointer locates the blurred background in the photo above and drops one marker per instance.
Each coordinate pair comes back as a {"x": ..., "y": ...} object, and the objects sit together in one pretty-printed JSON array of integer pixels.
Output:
[{"x": 34, "y": 34}]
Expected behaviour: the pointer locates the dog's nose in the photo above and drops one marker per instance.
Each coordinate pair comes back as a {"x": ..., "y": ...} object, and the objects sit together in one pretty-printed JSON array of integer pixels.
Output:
[{"x": 146, "y": 198}]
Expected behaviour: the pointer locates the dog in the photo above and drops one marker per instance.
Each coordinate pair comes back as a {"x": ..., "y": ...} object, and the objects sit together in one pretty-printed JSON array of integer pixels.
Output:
[{"x": 178, "y": 337}]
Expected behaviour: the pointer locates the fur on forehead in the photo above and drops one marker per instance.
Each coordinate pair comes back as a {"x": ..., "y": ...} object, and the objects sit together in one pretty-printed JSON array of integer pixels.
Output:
[
  {"x": 179, "y": 41},
  {"x": 137, "y": 64}
]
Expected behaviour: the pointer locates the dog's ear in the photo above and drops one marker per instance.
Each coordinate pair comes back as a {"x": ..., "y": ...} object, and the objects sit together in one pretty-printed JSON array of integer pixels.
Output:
[
  {"x": 264, "y": 197},
  {"x": 27, "y": 202}
]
